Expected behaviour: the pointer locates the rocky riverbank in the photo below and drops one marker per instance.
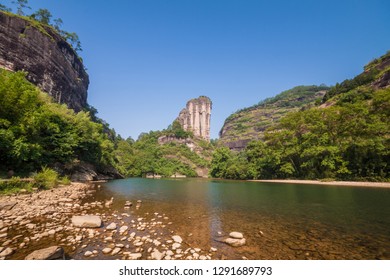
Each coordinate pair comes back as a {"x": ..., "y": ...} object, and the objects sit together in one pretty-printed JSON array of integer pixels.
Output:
[{"x": 69, "y": 223}]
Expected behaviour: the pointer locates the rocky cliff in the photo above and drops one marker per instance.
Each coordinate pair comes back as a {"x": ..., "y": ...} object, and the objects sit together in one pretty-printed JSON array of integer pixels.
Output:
[
  {"x": 50, "y": 62},
  {"x": 250, "y": 124},
  {"x": 196, "y": 117}
]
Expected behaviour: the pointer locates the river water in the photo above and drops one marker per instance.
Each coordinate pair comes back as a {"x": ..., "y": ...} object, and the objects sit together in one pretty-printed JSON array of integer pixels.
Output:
[{"x": 279, "y": 221}]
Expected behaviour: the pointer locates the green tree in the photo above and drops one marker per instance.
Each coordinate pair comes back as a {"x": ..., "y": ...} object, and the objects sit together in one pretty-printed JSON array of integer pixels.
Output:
[
  {"x": 42, "y": 15},
  {"x": 220, "y": 162},
  {"x": 73, "y": 40}
]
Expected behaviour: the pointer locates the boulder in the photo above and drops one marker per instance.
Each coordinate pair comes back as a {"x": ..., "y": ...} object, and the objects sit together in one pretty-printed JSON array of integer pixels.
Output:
[
  {"x": 235, "y": 242},
  {"x": 51, "y": 253},
  {"x": 87, "y": 221}
]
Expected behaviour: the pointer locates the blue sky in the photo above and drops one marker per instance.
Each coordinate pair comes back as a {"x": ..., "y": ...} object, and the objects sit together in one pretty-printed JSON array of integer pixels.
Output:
[{"x": 146, "y": 58}]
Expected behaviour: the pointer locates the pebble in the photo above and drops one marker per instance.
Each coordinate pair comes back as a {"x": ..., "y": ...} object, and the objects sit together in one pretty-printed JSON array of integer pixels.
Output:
[
  {"x": 6, "y": 252},
  {"x": 116, "y": 251},
  {"x": 111, "y": 226},
  {"x": 88, "y": 254},
  {"x": 135, "y": 256},
  {"x": 177, "y": 239},
  {"x": 157, "y": 255},
  {"x": 107, "y": 250},
  {"x": 31, "y": 226}
]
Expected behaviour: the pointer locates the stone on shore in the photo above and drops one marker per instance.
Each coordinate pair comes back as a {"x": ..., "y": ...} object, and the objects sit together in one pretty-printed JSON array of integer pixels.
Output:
[
  {"x": 135, "y": 256},
  {"x": 51, "y": 253},
  {"x": 87, "y": 221},
  {"x": 88, "y": 254},
  {"x": 107, "y": 250},
  {"x": 123, "y": 230},
  {"x": 6, "y": 252},
  {"x": 116, "y": 251},
  {"x": 157, "y": 255}
]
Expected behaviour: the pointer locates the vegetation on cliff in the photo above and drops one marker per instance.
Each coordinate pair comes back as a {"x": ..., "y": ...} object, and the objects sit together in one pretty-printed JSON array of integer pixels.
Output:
[
  {"x": 36, "y": 132},
  {"x": 347, "y": 138},
  {"x": 250, "y": 123},
  {"x": 42, "y": 21},
  {"x": 149, "y": 155}
]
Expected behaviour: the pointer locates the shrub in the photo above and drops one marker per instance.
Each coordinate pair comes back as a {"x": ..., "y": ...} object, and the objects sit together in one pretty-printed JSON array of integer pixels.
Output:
[{"x": 47, "y": 178}]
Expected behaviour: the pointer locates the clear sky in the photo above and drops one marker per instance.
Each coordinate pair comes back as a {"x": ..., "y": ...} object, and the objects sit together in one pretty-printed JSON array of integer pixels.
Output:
[{"x": 146, "y": 58}]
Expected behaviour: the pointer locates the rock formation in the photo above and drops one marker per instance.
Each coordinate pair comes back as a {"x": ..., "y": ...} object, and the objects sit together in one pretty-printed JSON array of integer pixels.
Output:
[
  {"x": 196, "y": 117},
  {"x": 48, "y": 59}
]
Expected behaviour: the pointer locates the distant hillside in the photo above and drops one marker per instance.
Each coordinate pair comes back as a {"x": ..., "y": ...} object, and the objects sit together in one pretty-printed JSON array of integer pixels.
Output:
[
  {"x": 250, "y": 123},
  {"x": 346, "y": 137}
]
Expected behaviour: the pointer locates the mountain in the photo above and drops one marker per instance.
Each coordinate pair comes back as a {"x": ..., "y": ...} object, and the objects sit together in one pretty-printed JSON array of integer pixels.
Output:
[
  {"x": 183, "y": 149},
  {"x": 346, "y": 136},
  {"x": 250, "y": 123},
  {"x": 48, "y": 59}
]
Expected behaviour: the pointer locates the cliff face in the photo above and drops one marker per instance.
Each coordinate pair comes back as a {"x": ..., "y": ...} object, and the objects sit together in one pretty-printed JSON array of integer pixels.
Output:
[
  {"x": 196, "y": 117},
  {"x": 250, "y": 124},
  {"x": 49, "y": 61}
]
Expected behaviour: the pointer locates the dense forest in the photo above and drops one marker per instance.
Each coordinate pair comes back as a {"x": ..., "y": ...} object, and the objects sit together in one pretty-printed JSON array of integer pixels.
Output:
[
  {"x": 346, "y": 138},
  {"x": 36, "y": 132}
]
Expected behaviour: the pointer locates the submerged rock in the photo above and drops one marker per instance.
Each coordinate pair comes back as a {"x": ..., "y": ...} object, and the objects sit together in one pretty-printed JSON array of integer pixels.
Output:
[
  {"x": 87, "y": 221},
  {"x": 177, "y": 239},
  {"x": 51, "y": 253},
  {"x": 236, "y": 235},
  {"x": 235, "y": 242},
  {"x": 111, "y": 226}
]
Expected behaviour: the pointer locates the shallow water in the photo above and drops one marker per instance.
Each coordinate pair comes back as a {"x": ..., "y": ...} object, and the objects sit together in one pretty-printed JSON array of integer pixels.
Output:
[{"x": 279, "y": 221}]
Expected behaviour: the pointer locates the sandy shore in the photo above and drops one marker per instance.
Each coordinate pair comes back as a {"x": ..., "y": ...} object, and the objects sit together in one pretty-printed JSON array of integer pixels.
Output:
[{"x": 332, "y": 183}]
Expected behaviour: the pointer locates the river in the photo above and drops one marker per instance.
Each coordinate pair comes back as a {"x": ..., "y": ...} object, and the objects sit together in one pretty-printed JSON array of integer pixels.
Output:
[{"x": 279, "y": 221}]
